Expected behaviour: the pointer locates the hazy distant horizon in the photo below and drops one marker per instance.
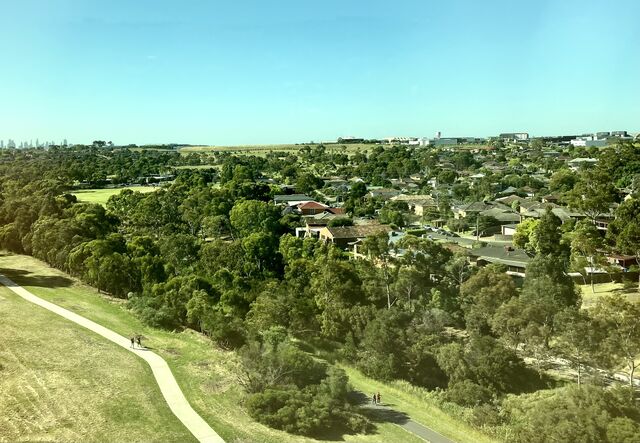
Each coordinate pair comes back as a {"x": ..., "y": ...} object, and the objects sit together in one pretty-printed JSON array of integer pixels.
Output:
[{"x": 251, "y": 73}]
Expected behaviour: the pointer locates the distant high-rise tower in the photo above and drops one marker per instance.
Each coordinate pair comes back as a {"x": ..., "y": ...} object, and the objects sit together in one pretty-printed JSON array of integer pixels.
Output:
[
  {"x": 438, "y": 134},
  {"x": 64, "y": 142}
]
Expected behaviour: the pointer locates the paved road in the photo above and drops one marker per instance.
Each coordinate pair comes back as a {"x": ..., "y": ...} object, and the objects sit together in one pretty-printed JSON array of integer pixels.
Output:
[
  {"x": 386, "y": 414},
  {"x": 167, "y": 383}
]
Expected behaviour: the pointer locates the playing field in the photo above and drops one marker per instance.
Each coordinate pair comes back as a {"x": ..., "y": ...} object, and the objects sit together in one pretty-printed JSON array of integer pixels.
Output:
[
  {"x": 101, "y": 196},
  {"x": 206, "y": 374},
  {"x": 60, "y": 382}
]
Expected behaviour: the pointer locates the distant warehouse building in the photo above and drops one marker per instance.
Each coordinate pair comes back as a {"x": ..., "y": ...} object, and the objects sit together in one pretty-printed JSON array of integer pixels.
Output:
[{"x": 514, "y": 136}]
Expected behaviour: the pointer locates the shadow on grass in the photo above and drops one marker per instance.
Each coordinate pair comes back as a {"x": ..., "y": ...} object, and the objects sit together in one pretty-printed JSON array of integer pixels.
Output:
[
  {"x": 378, "y": 413},
  {"x": 26, "y": 278}
]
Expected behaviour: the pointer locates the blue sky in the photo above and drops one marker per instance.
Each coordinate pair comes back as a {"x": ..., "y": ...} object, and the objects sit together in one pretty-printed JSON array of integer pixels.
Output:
[{"x": 250, "y": 72}]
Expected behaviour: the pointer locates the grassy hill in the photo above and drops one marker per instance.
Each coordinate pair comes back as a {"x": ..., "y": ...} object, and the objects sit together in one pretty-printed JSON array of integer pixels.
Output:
[
  {"x": 205, "y": 373},
  {"x": 59, "y": 382}
]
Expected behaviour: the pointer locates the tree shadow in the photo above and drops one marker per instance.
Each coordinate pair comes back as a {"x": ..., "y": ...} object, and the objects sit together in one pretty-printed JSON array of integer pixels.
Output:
[
  {"x": 378, "y": 413},
  {"x": 26, "y": 278},
  {"x": 374, "y": 413}
]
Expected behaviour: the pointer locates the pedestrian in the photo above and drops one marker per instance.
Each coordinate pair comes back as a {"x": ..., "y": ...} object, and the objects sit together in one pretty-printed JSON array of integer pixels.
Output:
[
  {"x": 378, "y": 398},
  {"x": 133, "y": 342},
  {"x": 374, "y": 398},
  {"x": 139, "y": 340}
]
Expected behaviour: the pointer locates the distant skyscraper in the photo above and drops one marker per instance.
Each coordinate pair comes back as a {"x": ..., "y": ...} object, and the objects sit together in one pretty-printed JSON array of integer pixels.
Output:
[
  {"x": 438, "y": 134},
  {"x": 1, "y": 144},
  {"x": 64, "y": 142}
]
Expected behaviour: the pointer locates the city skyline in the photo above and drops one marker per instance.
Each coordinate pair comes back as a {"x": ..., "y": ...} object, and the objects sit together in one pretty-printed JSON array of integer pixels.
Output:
[{"x": 157, "y": 72}]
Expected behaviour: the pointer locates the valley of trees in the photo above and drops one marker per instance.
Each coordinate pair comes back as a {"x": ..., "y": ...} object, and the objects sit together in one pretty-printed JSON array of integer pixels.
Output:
[{"x": 211, "y": 252}]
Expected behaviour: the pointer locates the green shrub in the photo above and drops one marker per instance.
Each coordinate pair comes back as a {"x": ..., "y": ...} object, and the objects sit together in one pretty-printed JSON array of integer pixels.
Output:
[
  {"x": 312, "y": 410},
  {"x": 468, "y": 393}
]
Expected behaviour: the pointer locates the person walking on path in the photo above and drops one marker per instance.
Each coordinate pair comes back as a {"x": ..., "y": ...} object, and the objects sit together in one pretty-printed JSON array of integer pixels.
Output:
[
  {"x": 378, "y": 398},
  {"x": 133, "y": 342},
  {"x": 374, "y": 398},
  {"x": 139, "y": 340}
]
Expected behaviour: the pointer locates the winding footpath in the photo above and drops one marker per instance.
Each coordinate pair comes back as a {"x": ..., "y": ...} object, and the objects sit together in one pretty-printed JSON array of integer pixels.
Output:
[
  {"x": 405, "y": 422},
  {"x": 167, "y": 383}
]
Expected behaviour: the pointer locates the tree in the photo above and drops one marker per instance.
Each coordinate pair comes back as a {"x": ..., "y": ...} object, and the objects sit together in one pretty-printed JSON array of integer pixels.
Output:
[
  {"x": 586, "y": 242},
  {"x": 337, "y": 291},
  {"x": 530, "y": 319},
  {"x": 447, "y": 176},
  {"x": 579, "y": 339},
  {"x": 358, "y": 190},
  {"x": 340, "y": 221},
  {"x": 593, "y": 194},
  {"x": 587, "y": 414},
  {"x": 624, "y": 231},
  {"x": 524, "y": 236},
  {"x": 483, "y": 361},
  {"x": 562, "y": 181},
  {"x": 383, "y": 345},
  {"x": 483, "y": 294},
  {"x": 250, "y": 216},
  {"x": 307, "y": 183},
  {"x": 619, "y": 319},
  {"x": 548, "y": 236},
  {"x": 378, "y": 249}
]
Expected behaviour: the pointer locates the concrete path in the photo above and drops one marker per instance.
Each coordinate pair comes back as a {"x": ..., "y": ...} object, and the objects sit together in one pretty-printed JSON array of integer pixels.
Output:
[
  {"x": 384, "y": 413},
  {"x": 167, "y": 383}
]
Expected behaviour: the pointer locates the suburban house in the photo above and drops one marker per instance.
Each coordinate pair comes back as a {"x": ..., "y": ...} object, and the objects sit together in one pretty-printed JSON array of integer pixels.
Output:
[
  {"x": 394, "y": 238},
  {"x": 417, "y": 203},
  {"x": 503, "y": 215},
  {"x": 538, "y": 210},
  {"x": 383, "y": 193},
  {"x": 311, "y": 208},
  {"x": 464, "y": 210},
  {"x": 291, "y": 199},
  {"x": 578, "y": 163},
  {"x": 508, "y": 200},
  {"x": 622, "y": 260},
  {"x": 516, "y": 260},
  {"x": 509, "y": 230},
  {"x": 343, "y": 236}
]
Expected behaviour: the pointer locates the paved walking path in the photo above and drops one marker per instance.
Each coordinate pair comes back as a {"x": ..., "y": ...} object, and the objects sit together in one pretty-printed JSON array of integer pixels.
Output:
[
  {"x": 167, "y": 383},
  {"x": 385, "y": 413}
]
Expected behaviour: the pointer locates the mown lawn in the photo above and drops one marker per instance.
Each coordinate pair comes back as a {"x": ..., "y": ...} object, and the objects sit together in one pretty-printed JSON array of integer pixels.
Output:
[
  {"x": 591, "y": 296},
  {"x": 60, "y": 382},
  {"x": 206, "y": 374},
  {"x": 101, "y": 196}
]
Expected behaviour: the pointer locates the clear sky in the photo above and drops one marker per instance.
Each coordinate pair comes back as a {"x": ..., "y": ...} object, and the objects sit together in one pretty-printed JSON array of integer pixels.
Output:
[{"x": 249, "y": 72}]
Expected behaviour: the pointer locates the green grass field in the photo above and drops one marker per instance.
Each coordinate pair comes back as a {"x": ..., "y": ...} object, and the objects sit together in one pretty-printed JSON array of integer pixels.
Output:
[
  {"x": 590, "y": 297},
  {"x": 60, "y": 382},
  {"x": 205, "y": 373},
  {"x": 262, "y": 150},
  {"x": 101, "y": 196}
]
